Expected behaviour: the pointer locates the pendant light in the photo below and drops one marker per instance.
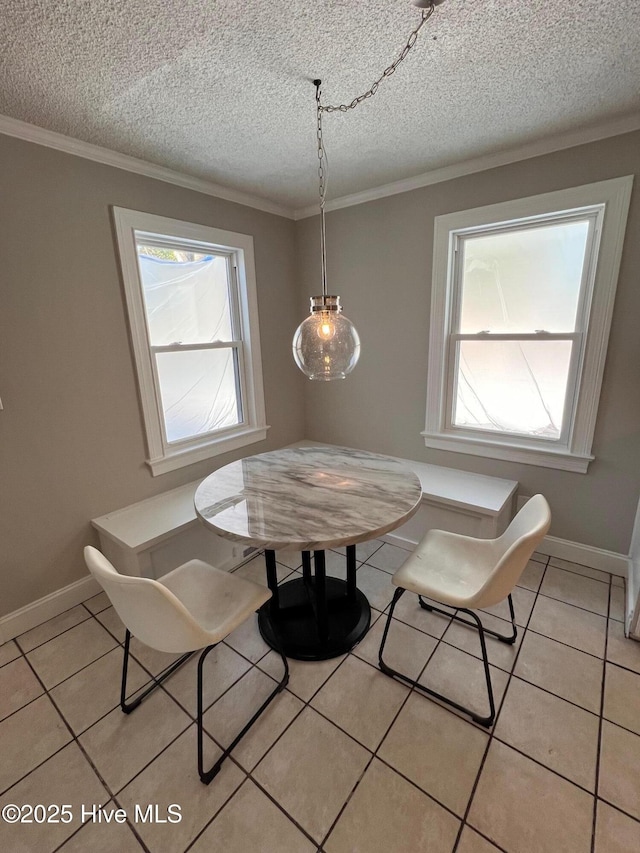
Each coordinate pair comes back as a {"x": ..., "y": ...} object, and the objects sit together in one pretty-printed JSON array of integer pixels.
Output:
[{"x": 326, "y": 345}]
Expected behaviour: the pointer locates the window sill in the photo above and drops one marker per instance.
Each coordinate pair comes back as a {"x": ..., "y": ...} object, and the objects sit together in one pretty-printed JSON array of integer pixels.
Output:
[
  {"x": 562, "y": 460},
  {"x": 188, "y": 456}
]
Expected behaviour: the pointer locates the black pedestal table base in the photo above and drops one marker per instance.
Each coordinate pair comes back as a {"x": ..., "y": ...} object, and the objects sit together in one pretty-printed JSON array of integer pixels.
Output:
[{"x": 316, "y": 617}]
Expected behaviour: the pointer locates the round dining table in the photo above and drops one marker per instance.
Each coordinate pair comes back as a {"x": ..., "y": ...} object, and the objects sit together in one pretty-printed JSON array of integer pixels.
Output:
[{"x": 309, "y": 499}]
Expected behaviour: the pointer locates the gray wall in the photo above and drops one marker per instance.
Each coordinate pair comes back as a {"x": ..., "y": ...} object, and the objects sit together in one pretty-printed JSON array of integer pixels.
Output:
[
  {"x": 379, "y": 261},
  {"x": 71, "y": 438}
]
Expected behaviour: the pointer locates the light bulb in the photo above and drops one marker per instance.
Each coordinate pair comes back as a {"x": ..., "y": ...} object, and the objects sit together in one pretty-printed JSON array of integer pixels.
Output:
[{"x": 326, "y": 328}]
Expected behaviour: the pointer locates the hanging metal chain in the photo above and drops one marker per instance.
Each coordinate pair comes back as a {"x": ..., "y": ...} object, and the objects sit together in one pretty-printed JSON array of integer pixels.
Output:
[
  {"x": 322, "y": 157},
  {"x": 426, "y": 14},
  {"x": 322, "y": 185},
  {"x": 322, "y": 154}
]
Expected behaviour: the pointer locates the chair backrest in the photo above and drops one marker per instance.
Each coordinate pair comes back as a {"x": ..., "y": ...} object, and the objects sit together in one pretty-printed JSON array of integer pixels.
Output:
[
  {"x": 150, "y": 611},
  {"x": 514, "y": 549}
]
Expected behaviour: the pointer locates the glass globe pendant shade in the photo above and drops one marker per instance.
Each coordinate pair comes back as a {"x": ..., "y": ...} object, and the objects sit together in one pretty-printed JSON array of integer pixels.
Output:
[{"x": 326, "y": 345}]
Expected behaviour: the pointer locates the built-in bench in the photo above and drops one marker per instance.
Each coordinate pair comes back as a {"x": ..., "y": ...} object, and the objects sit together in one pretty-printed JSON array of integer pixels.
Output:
[
  {"x": 151, "y": 537},
  {"x": 458, "y": 501}
]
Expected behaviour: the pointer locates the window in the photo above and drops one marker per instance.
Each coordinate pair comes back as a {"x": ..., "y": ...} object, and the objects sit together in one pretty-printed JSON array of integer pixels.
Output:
[
  {"x": 521, "y": 308},
  {"x": 191, "y": 298}
]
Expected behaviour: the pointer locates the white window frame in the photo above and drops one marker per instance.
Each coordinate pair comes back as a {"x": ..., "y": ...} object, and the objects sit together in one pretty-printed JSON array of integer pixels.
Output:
[
  {"x": 607, "y": 203},
  {"x": 131, "y": 225}
]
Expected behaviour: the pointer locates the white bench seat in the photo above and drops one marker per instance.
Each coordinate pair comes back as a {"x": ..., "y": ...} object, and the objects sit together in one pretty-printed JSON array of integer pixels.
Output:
[
  {"x": 153, "y": 536},
  {"x": 458, "y": 501}
]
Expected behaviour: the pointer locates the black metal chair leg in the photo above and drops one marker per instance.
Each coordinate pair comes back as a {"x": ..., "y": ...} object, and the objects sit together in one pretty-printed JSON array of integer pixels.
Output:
[
  {"x": 511, "y": 639},
  {"x": 207, "y": 775},
  {"x": 484, "y": 721},
  {"x": 128, "y": 707},
  {"x": 396, "y": 597},
  {"x": 504, "y": 638}
]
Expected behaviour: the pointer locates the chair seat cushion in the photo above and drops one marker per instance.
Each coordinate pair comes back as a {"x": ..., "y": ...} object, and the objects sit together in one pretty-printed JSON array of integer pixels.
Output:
[
  {"x": 217, "y": 600},
  {"x": 449, "y": 568}
]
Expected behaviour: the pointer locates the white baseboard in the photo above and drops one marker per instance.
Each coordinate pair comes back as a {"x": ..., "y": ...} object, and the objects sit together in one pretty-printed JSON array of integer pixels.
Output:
[
  {"x": 45, "y": 608},
  {"x": 16, "y": 623},
  {"x": 585, "y": 555},
  {"x": 57, "y": 602},
  {"x": 632, "y": 623},
  {"x": 400, "y": 541}
]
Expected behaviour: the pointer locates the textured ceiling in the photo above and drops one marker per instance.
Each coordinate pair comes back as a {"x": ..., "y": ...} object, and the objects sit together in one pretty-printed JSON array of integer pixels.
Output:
[{"x": 223, "y": 91}]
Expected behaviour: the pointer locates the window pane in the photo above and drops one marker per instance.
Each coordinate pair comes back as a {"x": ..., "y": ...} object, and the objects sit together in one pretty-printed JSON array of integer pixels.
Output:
[
  {"x": 523, "y": 280},
  {"x": 513, "y": 386},
  {"x": 186, "y": 296},
  {"x": 198, "y": 390}
]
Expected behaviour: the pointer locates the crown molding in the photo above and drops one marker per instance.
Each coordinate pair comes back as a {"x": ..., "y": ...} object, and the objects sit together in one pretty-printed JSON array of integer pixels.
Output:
[
  {"x": 50, "y": 139},
  {"x": 569, "y": 139},
  {"x": 69, "y": 145}
]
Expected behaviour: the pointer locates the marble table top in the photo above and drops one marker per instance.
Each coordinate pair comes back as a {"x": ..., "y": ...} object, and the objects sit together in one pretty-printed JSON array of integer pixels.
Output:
[{"x": 308, "y": 498}]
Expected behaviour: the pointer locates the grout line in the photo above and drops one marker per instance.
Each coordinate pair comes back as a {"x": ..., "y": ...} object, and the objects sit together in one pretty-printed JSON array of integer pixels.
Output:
[
  {"x": 495, "y": 722},
  {"x": 217, "y": 811},
  {"x": 526, "y": 680},
  {"x": 416, "y": 786},
  {"x": 411, "y": 689},
  {"x": 136, "y": 835},
  {"x": 102, "y": 609},
  {"x": 252, "y": 665},
  {"x": 275, "y": 803},
  {"x": 249, "y": 774},
  {"x": 562, "y": 643},
  {"x": 33, "y": 769},
  {"x": 622, "y": 666},
  {"x": 90, "y": 761},
  {"x": 577, "y": 606},
  {"x": 606, "y": 580},
  {"x": 118, "y": 791},
  {"x": 599, "y": 747},
  {"x": 374, "y": 754},
  {"x": 307, "y": 703},
  {"x": 624, "y": 729},
  {"x": 555, "y": 695},
  {"x": 537, "y": 761},
  {"x": 482, "y": 835},
  {"x": 22, "y": 707},
  {"x": 108, "y": 630},
  {"x": 84, "y": 753},
  {"x": 13, "y": 660},
  {"x": 55, "y": 636},
  {"x": 233, "y": 684},
  {"x": 82, "y": 668},
  {"x": 224, "y": 803},
  {"x": 619, "y": 809},
  {"x": 75, "y": 739}
]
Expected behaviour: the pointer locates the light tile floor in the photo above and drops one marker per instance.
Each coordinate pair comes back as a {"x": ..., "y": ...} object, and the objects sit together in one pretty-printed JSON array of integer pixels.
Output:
[{"x": 345, "y": 759}]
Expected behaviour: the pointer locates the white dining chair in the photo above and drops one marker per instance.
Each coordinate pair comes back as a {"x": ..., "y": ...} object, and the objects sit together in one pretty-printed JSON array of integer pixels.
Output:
[
  {"x": 192, "y": 607},
  {"x": 462, "y": 572}
]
